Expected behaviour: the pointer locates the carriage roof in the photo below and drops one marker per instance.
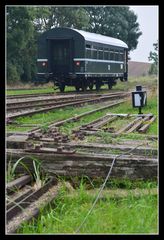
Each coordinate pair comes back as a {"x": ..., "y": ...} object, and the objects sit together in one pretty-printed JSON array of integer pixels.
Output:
[{"x": 94, "y": 37}]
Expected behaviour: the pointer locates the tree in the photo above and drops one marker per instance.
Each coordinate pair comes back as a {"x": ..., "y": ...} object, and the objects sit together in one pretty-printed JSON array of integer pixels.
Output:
[
  {"x": 50, "y": 17},
  {"x": 153, "y": 56},
  {"x": 20, "y": 44},
  {"x": 117, "y": 22}
]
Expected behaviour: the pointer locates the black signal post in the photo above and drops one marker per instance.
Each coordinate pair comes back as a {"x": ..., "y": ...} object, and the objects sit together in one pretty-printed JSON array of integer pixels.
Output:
[{"x": 139, "y": 98}]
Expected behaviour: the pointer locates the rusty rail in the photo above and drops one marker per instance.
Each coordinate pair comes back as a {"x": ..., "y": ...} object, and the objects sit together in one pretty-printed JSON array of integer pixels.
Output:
[
  {"x": 76, "y": 103},
  {"x": 18, "y": 183},
  {"x": 27, "y": 206},
  {"x": 27, "y": 200}
]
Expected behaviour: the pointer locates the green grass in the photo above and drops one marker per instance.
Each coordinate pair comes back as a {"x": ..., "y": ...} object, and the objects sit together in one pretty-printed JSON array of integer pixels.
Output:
[
  {"x": 119, "y": 123},
  {"x": 50, "y": 89},
  {"x": 15, "y": 128},
  {"x": 146, "y": 81},
  {"x": 127, "y": 107},
  {"x": 54, "y": 116},
  {"x": 149, "y": 82},
  {"x": 27, "y": 91},
  {"x": 111, "y": 215},
  {"x": 68, "y": 127}
]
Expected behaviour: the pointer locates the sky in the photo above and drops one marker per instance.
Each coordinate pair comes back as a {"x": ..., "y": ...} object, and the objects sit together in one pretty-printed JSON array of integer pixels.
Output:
[{"x": 148, "y": 25}]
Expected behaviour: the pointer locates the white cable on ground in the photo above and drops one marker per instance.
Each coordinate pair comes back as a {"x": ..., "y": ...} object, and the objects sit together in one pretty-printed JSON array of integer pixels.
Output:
[{"x": 103, "y": 185}]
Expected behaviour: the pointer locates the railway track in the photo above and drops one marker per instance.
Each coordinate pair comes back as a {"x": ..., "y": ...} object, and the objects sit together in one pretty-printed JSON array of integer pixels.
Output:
[
  {"x": 38, "y": 97},
  {"x": 13, "y": 103},
  {"x": 134, "y": 122},
  {"x": 52, "y": 125},
  {"x": 17, "y": 96},
  {"x": 39, "y": 103},
  {"x": 47, "y": 106},
  {"x": 65, "y": 145},
  {"x": 24, "y": 200}
]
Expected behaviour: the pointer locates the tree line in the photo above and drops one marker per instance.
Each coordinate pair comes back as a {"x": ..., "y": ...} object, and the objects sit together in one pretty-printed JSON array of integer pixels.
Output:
[
  {"x": 25, "y": 24},
  {"x": 153, "y": 56}
]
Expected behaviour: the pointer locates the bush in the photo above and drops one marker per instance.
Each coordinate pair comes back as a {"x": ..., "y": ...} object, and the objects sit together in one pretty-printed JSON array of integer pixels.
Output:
[
  {"x": 12, "y": 73},
  {"x": 153, "y": 69}
]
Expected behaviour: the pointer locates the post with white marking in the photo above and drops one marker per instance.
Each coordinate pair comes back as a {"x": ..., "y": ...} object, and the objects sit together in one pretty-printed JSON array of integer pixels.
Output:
[{"x": 139, "y": 98}]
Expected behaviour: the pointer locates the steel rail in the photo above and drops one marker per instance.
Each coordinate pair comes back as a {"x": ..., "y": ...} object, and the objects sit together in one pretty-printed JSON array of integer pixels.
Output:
[
  {"x": 18, "y": 183},
  {"x": 76, "y": 103},
  {"x": 25, "y": 202},
  {"x": 45, "y": 103}
]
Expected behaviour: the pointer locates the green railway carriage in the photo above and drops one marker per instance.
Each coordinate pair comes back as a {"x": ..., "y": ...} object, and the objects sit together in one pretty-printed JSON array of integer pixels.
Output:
[{"x": 71, "y": 57}]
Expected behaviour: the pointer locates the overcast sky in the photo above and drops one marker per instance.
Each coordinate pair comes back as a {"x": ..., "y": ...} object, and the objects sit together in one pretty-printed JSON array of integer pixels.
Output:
[{"x": 148, "y": 21}]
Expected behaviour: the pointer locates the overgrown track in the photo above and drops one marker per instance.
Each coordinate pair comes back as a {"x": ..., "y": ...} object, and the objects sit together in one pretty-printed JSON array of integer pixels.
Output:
[
  {"x": 42, "y": 96},
  {"x": 39, "y": 103},
  {"x": 34, "y": 101},
  {"x": 43, "y": 107},
  {"x": 17, "y": 96},
  {"x": 62, "y": 156}
]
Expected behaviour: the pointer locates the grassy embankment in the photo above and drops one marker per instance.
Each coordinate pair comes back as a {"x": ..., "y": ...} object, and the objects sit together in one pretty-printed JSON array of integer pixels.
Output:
[
  {"x": 112, "y": 214},
  {"x": 147, "y": 81}
]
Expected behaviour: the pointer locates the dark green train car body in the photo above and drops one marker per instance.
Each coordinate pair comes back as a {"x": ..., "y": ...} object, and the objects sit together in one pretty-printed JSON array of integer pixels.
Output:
[{"x": 71, "y": 57}]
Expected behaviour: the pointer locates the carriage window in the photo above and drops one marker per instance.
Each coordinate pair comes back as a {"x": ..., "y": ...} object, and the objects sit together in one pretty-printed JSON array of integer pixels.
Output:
[
  {"x": 88, "y": 46},
  {"x": 111, "y": 54},
  {"x": 116, "y": 56},
  {"x": 106, "y": 54},
  {"x": 88, "y": 53},
  {"x": 94, "y": 52},
  {"x": 121, "y": 55},
  {"x": 100, "y": 53}
]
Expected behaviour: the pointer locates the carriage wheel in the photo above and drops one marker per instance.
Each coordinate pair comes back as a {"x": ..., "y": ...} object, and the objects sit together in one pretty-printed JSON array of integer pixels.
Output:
[
  {"x": 98, "y": 86},
  {"x": 91, "y": 86},
  {"x": 110, "y": 86},
  {"x": 62, "y": 87},
  {"x": 84, "y": 88},
  {"x": 77, "y": 88}
]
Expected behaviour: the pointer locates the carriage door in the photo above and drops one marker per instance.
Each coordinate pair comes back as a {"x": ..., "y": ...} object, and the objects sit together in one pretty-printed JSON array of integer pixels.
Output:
[{"x": 61, "y": 56}]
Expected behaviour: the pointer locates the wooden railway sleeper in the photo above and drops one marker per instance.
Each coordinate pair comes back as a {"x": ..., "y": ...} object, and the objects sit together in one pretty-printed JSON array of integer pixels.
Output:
[
  {"x": 104, "y": 122},
  {"x": 137, "y": 125},
  {"x": 146, "y": 125}
]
